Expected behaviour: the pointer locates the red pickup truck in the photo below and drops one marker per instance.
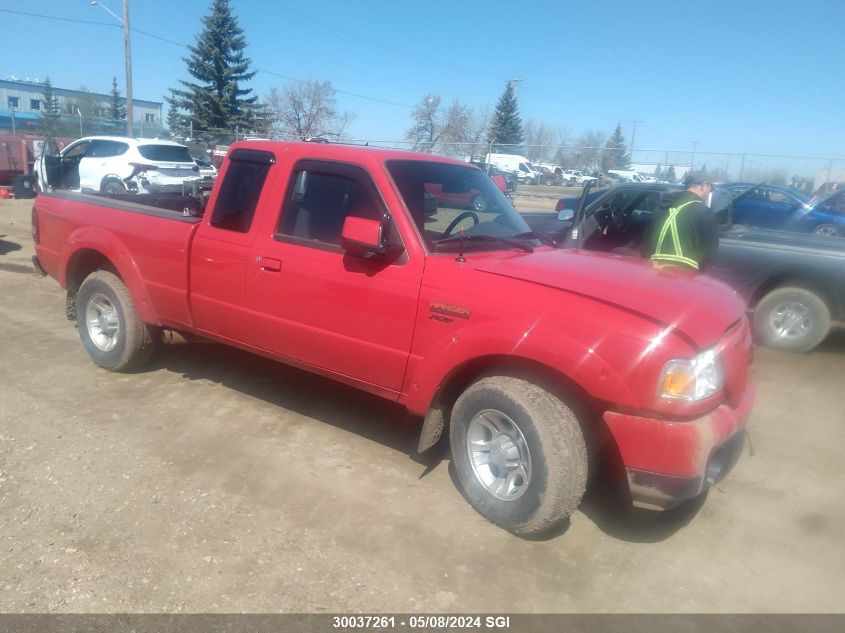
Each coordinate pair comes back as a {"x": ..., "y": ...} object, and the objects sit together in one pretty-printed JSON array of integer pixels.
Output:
[{"x": 340, "y": 260}]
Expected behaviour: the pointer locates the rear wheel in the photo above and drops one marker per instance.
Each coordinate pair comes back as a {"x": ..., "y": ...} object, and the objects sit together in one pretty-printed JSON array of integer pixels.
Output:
[
  {"x": 114, "y": 336},
  {"x": 791, "y": 319},
  {"x": 518, "y": 453},
  {"x": 114, "y": 187}
]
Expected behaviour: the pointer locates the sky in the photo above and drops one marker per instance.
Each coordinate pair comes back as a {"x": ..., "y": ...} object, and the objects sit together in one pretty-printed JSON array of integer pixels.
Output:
[{"x": 757, "y": 76}]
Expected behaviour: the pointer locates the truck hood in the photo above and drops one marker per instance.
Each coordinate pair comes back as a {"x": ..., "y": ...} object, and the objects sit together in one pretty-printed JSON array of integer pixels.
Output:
[{"x": 696, "y": 305}]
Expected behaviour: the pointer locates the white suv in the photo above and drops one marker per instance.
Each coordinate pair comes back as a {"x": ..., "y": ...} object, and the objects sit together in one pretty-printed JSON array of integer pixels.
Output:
[
  {"x": 576, "y": 176},
  {"x": 116, "y": 165}
]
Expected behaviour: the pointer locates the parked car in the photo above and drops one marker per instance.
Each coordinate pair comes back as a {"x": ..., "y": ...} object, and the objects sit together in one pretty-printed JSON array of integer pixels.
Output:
[
  {"x": 117, "y": 165},
  {"x": 780, "y": 207},
  {"x": 546, "y": 176},
  {"x": 577, "y": 177},
  {"x": 795, "y": 283},
  {"x": 333, "y": 259},
  {"x": 491, "y": 170}
]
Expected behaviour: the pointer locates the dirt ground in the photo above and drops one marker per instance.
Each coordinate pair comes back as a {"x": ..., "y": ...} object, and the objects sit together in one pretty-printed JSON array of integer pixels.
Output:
[{"x": 216, "y": 481}]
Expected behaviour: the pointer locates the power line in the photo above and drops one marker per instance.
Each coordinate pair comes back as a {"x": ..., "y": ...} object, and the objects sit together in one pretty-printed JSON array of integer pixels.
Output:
[{"x": 181, "y": 45}]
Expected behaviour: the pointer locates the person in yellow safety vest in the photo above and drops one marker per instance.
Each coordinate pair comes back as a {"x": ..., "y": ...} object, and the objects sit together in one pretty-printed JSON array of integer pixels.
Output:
[{"x": 683, "y": 231}]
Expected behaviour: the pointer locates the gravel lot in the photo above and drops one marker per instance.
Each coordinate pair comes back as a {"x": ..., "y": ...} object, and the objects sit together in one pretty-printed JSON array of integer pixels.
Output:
[{"x": 217, "y": 481}]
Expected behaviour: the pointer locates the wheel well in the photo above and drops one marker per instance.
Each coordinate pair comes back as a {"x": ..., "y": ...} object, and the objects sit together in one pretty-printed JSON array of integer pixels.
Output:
[
  {"x": 793, "y": 281},
  {"x": 83, "y": 262},
  {"x": 111, "y": 178},
  {"x": 587, "y": 409}
]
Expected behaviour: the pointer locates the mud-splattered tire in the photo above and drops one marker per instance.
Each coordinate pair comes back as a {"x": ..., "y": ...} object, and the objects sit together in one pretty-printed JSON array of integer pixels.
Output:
[
  {"x": 519, "y": 454},
  {"x": 114, "y": 336},
  {"x": 791, "y": 319}
]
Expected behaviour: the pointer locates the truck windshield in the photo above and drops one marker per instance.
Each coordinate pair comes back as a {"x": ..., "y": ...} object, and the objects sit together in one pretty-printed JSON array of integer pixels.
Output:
[{"x": 445, "y": 199}]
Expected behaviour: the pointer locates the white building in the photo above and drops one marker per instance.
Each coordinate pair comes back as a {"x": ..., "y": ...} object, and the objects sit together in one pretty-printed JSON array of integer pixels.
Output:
[{"x": 27, "y": 98}]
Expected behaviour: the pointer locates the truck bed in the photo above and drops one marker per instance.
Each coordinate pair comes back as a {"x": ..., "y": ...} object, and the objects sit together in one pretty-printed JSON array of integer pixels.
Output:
[{"x": 149, "y": 245}]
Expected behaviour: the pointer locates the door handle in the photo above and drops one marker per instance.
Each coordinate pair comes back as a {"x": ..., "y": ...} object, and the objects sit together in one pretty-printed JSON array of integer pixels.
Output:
[{"x": 269, "y": 264}]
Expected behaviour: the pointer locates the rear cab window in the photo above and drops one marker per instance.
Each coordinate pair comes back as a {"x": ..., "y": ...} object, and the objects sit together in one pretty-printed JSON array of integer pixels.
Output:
[{"x": 240, "y": 190}]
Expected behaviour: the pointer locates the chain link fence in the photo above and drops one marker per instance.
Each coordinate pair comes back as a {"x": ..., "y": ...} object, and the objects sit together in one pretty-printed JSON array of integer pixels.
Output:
[{"x": 807, "y": 173}]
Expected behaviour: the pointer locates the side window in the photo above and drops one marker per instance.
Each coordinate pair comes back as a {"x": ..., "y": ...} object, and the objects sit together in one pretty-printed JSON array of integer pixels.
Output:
[
  {"x": 780, "y": 198},
  {"x": 106, "y": 149},
  {"x": 240, "y": 190},
  {"x": 76, "y": 151},
  {"x": 320, "y": 199}
]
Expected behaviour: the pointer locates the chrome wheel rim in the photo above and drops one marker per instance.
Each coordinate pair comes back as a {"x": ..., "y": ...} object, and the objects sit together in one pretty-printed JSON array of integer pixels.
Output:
[
  {"x": 103, "y": 322},
  {"x": 499, "y": 455},
  {"x": 791, "y": 320},
  {"x": 826, "y": 231},
  {"x": 479, "y": 203}
]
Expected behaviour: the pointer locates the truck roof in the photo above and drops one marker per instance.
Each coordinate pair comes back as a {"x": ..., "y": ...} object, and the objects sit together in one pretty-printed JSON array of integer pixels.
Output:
[{"x": 347, "y": 152}]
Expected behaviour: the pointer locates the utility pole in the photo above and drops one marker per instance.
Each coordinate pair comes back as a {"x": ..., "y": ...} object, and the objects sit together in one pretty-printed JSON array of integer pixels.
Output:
[
  {"x": 127, "y": 47},
  {"x": 634, "y": 137},
  {"x": 127, "y": 55},
  {"x": 692, "y": 162}
]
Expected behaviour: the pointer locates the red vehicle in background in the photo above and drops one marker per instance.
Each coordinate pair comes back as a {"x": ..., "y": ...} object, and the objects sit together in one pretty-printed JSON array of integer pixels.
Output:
[{"x": 363, "y": 265}]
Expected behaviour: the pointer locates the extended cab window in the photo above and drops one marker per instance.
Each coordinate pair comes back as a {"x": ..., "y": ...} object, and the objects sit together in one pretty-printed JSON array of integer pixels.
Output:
[
  {"x": 320, "y": 198},
  {"x": 240, "y": 190}
]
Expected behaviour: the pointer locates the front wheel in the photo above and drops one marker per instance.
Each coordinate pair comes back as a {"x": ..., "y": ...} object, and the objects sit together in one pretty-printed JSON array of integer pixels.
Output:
[
  {"x": 518, "y": 453},
  {"x": 114, "y": 336},
  {"x": 791, "y": 319},
  {"x": 479, "y": 202}
]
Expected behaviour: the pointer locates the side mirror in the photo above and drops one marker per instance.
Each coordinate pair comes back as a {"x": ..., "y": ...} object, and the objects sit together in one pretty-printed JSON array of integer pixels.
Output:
[
  {"x": 566, "y": 215},
  {"x": 362, "y": 237}
]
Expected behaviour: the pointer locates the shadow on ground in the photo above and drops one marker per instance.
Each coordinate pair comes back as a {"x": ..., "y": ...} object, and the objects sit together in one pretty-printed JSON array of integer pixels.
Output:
[
  {"x": 7, "y": 247},
  {"x": 299, "y": 391},
  {"x": 606, "y": 502},
  {"x": 833, "y": 344}
]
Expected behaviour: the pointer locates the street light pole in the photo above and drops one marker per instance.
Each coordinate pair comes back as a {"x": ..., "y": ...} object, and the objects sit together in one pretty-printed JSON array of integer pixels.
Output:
[
  {"x": 79, "y": 112},
  {"x": 127, "y": 54}
]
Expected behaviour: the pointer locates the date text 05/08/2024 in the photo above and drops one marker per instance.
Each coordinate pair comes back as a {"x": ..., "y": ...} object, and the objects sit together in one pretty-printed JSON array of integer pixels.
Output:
[{"x": 420, "y": 622}]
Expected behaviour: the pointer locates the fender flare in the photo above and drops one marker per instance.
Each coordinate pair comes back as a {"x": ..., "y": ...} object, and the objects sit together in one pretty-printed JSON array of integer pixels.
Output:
[
  {"x": 107, "y": 244},
  {"x": 541, "y": 344}
]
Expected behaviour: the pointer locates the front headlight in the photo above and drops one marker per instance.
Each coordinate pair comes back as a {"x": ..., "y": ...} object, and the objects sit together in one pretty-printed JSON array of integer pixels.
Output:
[{"x": 692, "y": 379}]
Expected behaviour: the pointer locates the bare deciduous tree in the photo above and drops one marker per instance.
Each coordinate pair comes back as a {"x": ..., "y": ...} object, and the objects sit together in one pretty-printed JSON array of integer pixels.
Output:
[
  {"x": 306, "y": 109},
  {"x": 426, "y": 129},
  {"x": 539, "y": 141},
  {"x": 454, "y": 130}
]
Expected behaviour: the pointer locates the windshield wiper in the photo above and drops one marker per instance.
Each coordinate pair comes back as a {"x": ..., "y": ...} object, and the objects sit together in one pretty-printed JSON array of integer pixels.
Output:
[
  {"x": 495, "y": 239},
  {"x": 533, "y": 235}
]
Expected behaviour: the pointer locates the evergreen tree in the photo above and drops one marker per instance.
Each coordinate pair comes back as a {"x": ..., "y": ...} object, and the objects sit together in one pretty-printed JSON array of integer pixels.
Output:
[
  {"x": 505, "y": 132},
  {"x": 670, "y": 175},
  {"x": 658, "y": 172},
  {"x": 50, "y": 122},
  {"x": 615, "y": 151},
  {"x": 217, "y": 101},
  {"x": 117, "y": 109}
]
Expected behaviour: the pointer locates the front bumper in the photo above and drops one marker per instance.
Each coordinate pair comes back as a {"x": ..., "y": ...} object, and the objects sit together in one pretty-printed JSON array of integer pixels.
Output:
[{"x": 669, "y": 462}]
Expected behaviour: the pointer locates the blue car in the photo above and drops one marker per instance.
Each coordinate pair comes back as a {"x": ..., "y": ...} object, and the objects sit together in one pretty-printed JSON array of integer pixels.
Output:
[{"x": 779, "y": 207}]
